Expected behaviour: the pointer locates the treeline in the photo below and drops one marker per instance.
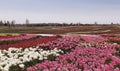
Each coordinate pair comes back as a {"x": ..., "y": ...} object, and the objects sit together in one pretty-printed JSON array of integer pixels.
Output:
[
  {"x": 7, "y": 23},
  {"x": 13, "y": 24},
  {"x": 54, "y": 24},
  {"x": 58, "y": 24}
]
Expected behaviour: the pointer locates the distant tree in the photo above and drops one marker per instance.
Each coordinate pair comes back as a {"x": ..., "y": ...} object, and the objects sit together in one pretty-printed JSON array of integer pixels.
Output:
[
  {"x": 1, "y": 23},
  {"x": 27, "y": 21},
  {"x": 13, "y": 23},
  {"x": 71, "y": 24},
  {"x": 8, "y": 24},
  {"x": 95, "y": 23},
  {"x": 112, "y": 23}
]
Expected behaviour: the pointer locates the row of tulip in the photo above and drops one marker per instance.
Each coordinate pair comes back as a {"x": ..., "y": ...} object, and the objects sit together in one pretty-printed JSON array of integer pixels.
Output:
[
  {"x": 28, "y": 43},
  {"x": 113, "y": 38},
  {"x": 5, "y": 35},
  {"x": 81, "y": 55},
  {"x": 19, "y": 56},
  {"x": 65, "y": 43},
  {"x": 21, "y": 37},
  {"x": 93, "y": 38}
]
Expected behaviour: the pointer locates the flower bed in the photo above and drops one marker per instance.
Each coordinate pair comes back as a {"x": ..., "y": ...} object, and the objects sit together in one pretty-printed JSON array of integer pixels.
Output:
[
  {"x": 19, "y": 57},
  {"x": 20, "y": 37},
  {"x": 6, "y": 35},
  {"x": 82, "y": 59},
  {"x": 93, "y": 38},
  {"x": 112, "y": 38},
  {"x": 68, "y": 53},
  {"x": 100, "y": 57},
  {"x": 28, "y": 43}
]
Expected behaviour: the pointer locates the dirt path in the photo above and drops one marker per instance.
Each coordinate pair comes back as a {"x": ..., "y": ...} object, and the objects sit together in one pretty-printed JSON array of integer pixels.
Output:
[{"x": 89, "y": 32}]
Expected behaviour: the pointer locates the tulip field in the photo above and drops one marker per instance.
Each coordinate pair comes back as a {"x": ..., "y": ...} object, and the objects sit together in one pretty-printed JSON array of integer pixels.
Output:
[{"x": 59, "y": 52}]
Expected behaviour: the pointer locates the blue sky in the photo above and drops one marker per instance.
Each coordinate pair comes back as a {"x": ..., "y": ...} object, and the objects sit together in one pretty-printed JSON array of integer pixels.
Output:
[{"x": 84, "y": 11}]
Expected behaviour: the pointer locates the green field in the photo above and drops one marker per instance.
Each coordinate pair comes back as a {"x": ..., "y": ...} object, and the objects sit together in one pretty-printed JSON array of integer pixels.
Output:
[{"x": 62, "y": 30}]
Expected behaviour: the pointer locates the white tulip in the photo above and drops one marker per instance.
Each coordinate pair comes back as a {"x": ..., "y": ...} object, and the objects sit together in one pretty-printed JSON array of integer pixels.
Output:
[
  {"x": 7, "y": 58},
  {"x": 21, "y": 65}
]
